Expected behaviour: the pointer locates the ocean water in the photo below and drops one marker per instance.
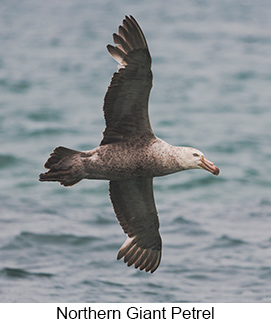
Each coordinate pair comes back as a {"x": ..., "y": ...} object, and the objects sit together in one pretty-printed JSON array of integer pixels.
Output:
[{"x": 212, "y": 91}]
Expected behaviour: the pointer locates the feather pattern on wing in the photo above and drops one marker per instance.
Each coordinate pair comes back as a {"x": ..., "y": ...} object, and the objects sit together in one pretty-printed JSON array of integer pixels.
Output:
[
  {"x": 126, "y": 101},
  {"x": 134, "y": 205}
]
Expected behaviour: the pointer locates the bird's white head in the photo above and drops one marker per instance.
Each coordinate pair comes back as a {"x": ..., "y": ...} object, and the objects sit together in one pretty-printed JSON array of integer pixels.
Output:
[{"x": 194, "y": 159}]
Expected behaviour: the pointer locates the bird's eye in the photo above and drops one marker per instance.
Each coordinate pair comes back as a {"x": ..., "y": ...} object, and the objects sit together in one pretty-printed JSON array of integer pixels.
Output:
[{"x": 196, "y": 155}]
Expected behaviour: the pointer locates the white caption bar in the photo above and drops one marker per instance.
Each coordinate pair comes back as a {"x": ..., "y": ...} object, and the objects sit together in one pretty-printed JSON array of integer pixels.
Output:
[{"x": 131, "y": 312}]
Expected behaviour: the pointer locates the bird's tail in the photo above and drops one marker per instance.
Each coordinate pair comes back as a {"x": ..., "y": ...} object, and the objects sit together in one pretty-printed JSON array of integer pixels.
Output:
[{"x": 62, "y": 167}]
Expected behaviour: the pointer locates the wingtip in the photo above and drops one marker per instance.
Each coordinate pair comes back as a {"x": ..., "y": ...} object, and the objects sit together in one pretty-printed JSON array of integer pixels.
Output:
[
  {"x": 130, "y": 36},
  {"x": 142, "y": 259},
  {"x": 108, "y": 47}
]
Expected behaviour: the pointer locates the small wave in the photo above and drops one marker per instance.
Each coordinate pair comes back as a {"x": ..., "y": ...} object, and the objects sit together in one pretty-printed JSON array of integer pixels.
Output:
[
  {"x": 153, "y": 285},
  {"x": 26, "y": 239},
  {"x": 182, "y": 220},
  {"x": 8, "y": 161},
  {"x": 265, "y": 272},
  {"x": 21, "y": 273},
  {"x": 204, "y": 181},
  {"x": 245, "y": 75},
  {"x": 104, "y": 220},
  {"x": 50, "y": 131},
  {"x": 110, "y": 283},
  {"x": 251, "y": 39},
  {"x": 265, "y": 202},
  {"x": 227, "y": 242},
  {"x": 188, "y": 227},
  {"x": 20, "y": 86},
  {"x": 198, "y": 277},
  {"x": 45, "y": 114}
]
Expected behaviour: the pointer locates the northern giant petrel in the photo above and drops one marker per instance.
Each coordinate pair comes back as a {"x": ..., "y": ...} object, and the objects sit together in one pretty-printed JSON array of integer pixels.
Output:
[{"x": 129, "y": 155}]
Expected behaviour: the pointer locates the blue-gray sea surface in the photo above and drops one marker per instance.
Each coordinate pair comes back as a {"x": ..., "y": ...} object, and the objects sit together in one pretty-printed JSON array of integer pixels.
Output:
[{"x": 211, "y": 66}]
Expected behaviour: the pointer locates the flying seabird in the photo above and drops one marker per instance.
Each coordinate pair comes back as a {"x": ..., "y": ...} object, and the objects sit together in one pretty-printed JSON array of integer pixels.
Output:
[{"x": 129, "y": 155}]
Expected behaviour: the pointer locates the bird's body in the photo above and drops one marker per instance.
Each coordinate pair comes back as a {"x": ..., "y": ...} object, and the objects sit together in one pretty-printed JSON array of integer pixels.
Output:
[
  {"x": 119, "y": 161},
  {"x": 129, "y": 155}
]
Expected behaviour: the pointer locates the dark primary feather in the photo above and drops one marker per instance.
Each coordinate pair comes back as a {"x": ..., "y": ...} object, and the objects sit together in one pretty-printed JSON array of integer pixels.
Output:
[
  {"x": 126, "y": 101},
  {"x": 134, "y": 205}
]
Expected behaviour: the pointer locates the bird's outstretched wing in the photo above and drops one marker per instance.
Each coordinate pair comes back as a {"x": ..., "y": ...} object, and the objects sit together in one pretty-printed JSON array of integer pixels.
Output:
[
  {"x": 134, "y": 205},
  {"x": 126, "y": 101}
]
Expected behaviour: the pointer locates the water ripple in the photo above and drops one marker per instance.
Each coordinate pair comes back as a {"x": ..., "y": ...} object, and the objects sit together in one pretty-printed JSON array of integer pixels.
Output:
[
  {"x": 21, "y": 273},
  {"x": 227, "y": 242},
  {"x": 20, "y": 86},
  {"x": 7, "y": 160},
  {"x": 26, "y": 239}
]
